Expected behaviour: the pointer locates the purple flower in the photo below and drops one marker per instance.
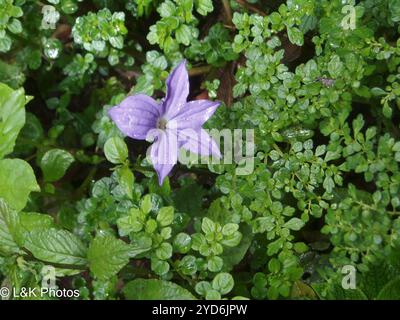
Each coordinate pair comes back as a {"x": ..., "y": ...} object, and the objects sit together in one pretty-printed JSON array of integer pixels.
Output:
[{"x": 173, "y": 123}]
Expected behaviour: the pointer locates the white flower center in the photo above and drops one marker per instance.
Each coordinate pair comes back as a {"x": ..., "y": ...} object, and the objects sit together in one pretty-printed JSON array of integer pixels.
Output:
[{"x": 162, "y": 124}]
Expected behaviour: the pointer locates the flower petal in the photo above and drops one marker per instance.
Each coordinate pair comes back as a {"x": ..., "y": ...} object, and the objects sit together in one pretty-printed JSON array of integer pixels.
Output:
[
  {"x": 195, "y": 113},
  {"x": 136, "y": 115},
  {"x": 177, "y": 90},
  {"x": 164, "y": 154},
  {"x": 199, "y": 142}
]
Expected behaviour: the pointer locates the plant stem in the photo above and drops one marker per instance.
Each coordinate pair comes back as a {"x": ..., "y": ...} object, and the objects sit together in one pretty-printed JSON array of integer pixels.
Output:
[
  {"x": 228, "y": 11},
  {"x": 250, "y": 7},
  {"x": 196, "y": 71},
  {"x": 276, "y": 147},
  {"x": 82, "y": 188}
]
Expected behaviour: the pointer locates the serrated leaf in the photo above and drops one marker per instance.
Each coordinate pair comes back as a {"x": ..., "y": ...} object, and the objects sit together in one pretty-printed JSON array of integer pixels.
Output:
[
  {"x": 32, "y": 221},
  {"x": 107, "y": 256},
  {"x": 196, "y": 194},
  {"x": 391, "y": 291},
  {"x": 338, "y": 293},
  {"x": 204, "y": 6},
  {"x": 8, "y": 223},
  {"x": 56, "y": 246},
  {"x": 153, "y": 289},
  {"x": 183, "y": 34}
]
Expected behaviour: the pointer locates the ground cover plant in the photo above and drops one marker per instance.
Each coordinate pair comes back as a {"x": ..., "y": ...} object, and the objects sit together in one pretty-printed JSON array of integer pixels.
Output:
[{"x": 309, "y": 87}]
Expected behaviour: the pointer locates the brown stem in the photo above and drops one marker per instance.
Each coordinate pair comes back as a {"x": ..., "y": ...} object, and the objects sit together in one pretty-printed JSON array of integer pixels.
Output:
[
  {"x": 250, "y": 7},
  {"x": 228, "y": 11},
  {"x": 229, "y": 26},
  {"x": 196, "y": 71}
]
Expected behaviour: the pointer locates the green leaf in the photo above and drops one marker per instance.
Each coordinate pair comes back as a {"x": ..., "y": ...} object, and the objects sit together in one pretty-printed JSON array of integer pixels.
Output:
[
  {"x": 394, "y": 8},
  {"x": 202, "y": 287},
  {"x": 17, "y": 182},
  {"x": 130, "y": 223},
  {"x": 182, "y": 242},
  {"x": 8, "y": 222},
  {"x": 391, "y": 291},
  {"x": 188, "y": 265},
  {"x": 107, "y": 256},
  {"x": 117, "y": 42},
  {"x": 396, "y": 147},
  {"x": 213, "y": 295},
  {"x": 294, "y": 224},
  {"x": 167, "y": 9},
  {"x": 183, "y": 34},
  {"x": 208, "y": 226},
  {"x": 215, "y": 264},
  {"x": 55, "y": 163},
  {"x": 300, "y": 290},
  {"x": 338, "y": 293},
  {"x": 56, "y": 246},
  {"x": 328, "y": 183},
  {"x": 146, "y": 204},
  {"x": 116, "y": 150},
  {"x": 12, "y": 117},
  {"x": 126, "y": 180},
  {"x": 11, "y": 75},
  {"x": 387, "y": 110},
  {"x": 160, "y": 267},
  {"x": 375, "y": 279},
  {"x": 233, "y": 255},
  {"x": 295, "y": 36},
  {"x": 32, "y": 221},
  {"x": 5, "y": 43},
  {"x": 14, "y": 26},
  {"x": 164, "y": 251},
  {"x": 223, "y": 283},
  {"x": 335, "y": 67},
  {"x": 262, "y": 224},
  {"x": 165, "y": 216},
  {"x": 204, "y": 6},
  {"x": 377, "y": 92},
  {"x": 30, "y": 136},
  {"x": 153, "y": 289},
  {"x": 229, "y": 229},
  {"x": 196, "y": 194}
]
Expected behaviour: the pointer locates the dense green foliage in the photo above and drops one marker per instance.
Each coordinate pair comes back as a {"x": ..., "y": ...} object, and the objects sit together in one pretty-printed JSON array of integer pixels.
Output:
[{"x": 317, "y": 80}]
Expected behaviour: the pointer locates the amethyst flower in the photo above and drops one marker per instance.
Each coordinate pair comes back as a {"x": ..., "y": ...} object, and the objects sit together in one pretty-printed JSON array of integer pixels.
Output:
[{"x": 172, "y": 123}]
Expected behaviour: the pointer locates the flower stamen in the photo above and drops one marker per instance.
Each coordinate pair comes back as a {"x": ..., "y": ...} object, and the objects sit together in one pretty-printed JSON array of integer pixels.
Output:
[{"x": 162, "y": 124}]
